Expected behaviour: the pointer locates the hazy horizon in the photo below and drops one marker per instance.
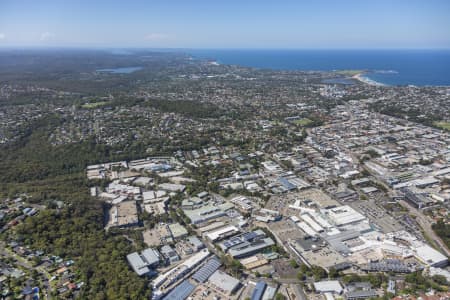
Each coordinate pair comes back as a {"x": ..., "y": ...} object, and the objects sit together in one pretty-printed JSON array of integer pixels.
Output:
[
  {"x": 322, "y": 24},
  {"x": 175, "y": 49}
]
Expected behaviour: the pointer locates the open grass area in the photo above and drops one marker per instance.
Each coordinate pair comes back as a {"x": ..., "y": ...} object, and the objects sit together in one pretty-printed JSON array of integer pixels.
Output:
[
  {"x": 443, "y": 125},
  {"x": 94, "y": 104},
  {"x": 303, "y": 122}
]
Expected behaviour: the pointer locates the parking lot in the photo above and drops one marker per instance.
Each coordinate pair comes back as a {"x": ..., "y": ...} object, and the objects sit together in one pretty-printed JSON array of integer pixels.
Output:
[
  {"x": 286, "y": 230},
  {"x": 377, "y": 215},
  {"x": 325, "y": 257}
]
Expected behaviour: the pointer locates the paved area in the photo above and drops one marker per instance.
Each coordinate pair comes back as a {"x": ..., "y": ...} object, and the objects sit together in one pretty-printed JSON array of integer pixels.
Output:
[{"x": 426, "y": 226}]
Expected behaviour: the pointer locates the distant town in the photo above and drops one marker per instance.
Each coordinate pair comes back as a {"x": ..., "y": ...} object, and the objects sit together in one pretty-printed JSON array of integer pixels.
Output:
[{"x": 196, "y": 180}]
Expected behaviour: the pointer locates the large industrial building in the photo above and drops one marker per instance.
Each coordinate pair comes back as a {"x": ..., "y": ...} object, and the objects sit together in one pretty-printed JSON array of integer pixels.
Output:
[
  {"x": 246, "y": 244},
  {"x": 222, "y": 233},
  {"x": 207, "y": 212},
  {"x": 142, "y": 263},
  {"x": 430, "y": 256},
  {"x": 207, "y": 270},
  {"x": 223, "y": 282},
  {"x": 328, "y": 286},
  {"x": 165, "y": 280},
  {"x": 343, "y": 215}
]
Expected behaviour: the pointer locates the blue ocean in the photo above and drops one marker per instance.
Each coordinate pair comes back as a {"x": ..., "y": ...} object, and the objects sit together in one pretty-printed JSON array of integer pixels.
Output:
[{"x": 390, "y": 67}]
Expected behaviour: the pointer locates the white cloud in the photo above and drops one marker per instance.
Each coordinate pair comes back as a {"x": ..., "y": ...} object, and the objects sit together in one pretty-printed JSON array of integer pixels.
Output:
[
  {"x": 2, "y": 36},
  {"x": 156, "y": 37},
  {"x": 45, "y": 36}
]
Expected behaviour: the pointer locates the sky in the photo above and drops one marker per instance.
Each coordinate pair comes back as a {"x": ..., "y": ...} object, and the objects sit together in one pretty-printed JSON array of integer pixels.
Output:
[{"x": 296, "y": 24}]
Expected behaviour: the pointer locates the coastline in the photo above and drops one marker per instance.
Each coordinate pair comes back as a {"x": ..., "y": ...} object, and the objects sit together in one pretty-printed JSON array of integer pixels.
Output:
[
  {"x": 361, "y": 78},
  {"x": 407, "y": 67}
]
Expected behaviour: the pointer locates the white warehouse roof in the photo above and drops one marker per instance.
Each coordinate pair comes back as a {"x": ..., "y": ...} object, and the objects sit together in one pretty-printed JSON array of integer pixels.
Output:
[
  {"x": 196, "y": 258},
  {"x": 343, "y": 215},
  {"x": 224, "y": 282},
  {"x": 222, "y": 232},
  {"x": 430, "y": 256},
  {"x": 312, "y": 223},
  {"x": 327, "y": 286},
  {"x": 138, "y": 264},
  {"x": 306, "y": 228}
]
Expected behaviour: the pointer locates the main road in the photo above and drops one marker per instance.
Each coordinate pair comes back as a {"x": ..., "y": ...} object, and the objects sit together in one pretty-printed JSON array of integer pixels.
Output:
[{"x": 425, "y": 224}]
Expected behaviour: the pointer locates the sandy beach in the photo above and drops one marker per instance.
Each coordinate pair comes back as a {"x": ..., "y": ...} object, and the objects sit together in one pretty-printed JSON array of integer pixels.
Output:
[{"x": 360, "y": 77}]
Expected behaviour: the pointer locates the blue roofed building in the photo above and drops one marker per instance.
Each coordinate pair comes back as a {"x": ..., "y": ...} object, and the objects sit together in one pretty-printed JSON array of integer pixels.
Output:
[
  {"x": 207, "y": 270},
  {"x": 286, "y": 184},
  {"x": 259, "y": 290},
  {"x": 181, "y": 292}
]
